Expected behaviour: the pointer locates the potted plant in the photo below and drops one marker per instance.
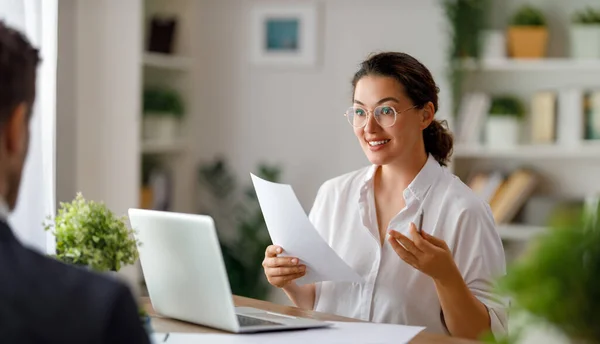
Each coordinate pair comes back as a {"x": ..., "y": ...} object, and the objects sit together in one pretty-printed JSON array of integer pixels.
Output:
[
  {"x": 555, "y": 284},
  {"x": 467, "y": 20},
  {"x": 163, "y": 111},
  {"x": 585, "y": 34},
  {"x": 88, "y": 234},
  {"x": 527, "y": 33},
  {"x": 504, "y": 121}
]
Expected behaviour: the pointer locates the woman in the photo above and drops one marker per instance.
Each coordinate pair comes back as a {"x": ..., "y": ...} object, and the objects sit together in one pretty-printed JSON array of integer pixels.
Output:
[{"x": 440, "y": 277}]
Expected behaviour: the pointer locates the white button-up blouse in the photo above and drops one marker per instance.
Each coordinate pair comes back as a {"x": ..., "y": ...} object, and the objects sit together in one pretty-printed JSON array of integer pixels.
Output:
[{"x": 393, "y": 291}]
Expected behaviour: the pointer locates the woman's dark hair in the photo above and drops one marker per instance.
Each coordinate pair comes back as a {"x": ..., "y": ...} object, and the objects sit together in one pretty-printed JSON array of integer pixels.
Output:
[{"x": 420, "y": 88}]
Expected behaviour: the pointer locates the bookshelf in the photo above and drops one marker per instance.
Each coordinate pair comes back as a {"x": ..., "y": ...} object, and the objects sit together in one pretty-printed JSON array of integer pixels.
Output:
[
  {"x": 532, "y": 65},
  {"x": 173, "y": 70},
  {"x": 567, "y": 169}
]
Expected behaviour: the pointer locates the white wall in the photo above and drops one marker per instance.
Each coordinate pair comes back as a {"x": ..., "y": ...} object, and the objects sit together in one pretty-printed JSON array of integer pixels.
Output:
[
  {"x": 99, "y": 104},
  {"x": 294, "y": 117}
]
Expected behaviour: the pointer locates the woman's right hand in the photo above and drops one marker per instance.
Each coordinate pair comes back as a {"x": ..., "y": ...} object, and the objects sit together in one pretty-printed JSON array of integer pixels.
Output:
[{"x": 281, "y": 271}]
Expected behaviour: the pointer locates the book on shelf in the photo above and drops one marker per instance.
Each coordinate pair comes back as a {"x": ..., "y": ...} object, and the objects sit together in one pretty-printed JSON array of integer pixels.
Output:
[
  {"x": 592, "y": 115},
  {"x": 473, "y": 111},
  {"x": 570, "y": 118},
  {"x": 506, "y": 195},
  {"x": 543, "y": 117}
]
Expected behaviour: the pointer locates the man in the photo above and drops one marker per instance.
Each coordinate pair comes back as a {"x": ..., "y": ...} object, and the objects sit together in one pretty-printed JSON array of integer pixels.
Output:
[{"x": 43, "y": 300}]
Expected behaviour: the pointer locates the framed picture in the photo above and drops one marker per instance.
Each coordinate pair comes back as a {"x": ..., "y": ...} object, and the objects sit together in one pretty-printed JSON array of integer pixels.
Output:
[{"x": 284, "y": 34}]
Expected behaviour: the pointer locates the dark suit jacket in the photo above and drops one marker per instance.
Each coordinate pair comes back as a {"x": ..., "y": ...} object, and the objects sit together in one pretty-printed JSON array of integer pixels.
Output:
[{"x": 45, "y": 301}]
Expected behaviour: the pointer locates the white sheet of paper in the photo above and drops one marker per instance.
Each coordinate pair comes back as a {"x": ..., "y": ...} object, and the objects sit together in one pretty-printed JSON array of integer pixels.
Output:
[
  {"x": 340, "y": 333},
  {"x": 290, "y": 228}
]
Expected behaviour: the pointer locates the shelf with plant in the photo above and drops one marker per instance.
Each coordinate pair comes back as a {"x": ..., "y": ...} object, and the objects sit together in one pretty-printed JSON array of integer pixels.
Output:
[
  {"x": 585, "y": 34},
  {"x": 163, "y": 113},
  {"x": 528, "y": 33}
]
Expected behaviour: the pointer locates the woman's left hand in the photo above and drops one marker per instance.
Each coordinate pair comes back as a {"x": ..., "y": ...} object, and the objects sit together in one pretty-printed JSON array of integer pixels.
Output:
[{"x": 425, "y": 253}]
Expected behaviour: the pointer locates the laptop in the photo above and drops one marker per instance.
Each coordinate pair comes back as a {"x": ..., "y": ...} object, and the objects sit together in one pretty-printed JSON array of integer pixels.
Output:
[{"x": 186, "y": 277}]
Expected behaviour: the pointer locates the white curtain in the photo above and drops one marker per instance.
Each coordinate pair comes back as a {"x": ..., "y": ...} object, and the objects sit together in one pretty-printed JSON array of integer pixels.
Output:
[{"x": 37, "y": 19}]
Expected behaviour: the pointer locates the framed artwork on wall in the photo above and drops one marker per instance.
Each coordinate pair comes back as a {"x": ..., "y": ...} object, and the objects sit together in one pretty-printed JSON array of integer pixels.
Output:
[{"x": 284, "y": 34}]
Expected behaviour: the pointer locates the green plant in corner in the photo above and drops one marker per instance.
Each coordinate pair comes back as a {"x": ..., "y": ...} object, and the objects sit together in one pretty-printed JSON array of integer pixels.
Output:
[
  {"x": 89, "y": 234},
  {"x": 238, "y": 212},
  {"x": 557, "y": 281},
  {"x": 506, "y": 105}
]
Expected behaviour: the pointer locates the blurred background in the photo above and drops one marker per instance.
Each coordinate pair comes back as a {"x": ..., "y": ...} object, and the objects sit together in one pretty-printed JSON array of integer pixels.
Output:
[{"x": 171, "y": 104}]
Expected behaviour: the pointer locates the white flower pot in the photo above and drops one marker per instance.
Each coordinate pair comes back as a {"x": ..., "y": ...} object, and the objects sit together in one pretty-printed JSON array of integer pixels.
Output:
[
  {"x": 502, "y": 131},
  {"x": 160, "y": 127},
  {"x": 585, "y": 41}
]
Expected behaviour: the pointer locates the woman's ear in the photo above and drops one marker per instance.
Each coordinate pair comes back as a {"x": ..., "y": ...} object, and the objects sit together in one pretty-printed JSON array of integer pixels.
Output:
[{"x": 427, "y": 112}]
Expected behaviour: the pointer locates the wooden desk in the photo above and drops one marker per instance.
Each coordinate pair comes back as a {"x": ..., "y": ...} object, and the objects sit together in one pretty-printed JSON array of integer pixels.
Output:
[{"x": 163, "y": 324}]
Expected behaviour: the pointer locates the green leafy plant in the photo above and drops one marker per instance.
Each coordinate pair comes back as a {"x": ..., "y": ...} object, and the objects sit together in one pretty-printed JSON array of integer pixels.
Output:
[
  {"x": 586, "y": 16},
  {"x": 466, "y": 20},
  {"x": 557, "y": 281},
  {"x": 89, "y": 234},
  {"x": 163, "y": 101},
  {"x": 528, "y": 15},
  {"x": 506, "y": 106},
  {"x": 238, "y": 213}
]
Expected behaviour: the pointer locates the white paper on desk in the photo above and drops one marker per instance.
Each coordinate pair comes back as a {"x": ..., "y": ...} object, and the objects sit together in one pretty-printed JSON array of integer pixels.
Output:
[
  {"x": 340, "y": 333},
  {"x": 290, "y": 228}
]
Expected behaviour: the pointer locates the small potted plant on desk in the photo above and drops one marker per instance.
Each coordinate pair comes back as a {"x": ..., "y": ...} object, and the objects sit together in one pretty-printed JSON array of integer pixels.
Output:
[{"x": 89, "y": 235}]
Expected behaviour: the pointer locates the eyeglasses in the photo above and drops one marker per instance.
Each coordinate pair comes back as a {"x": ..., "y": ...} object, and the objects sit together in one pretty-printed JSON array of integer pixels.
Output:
[{"x": 385, "y": 115}]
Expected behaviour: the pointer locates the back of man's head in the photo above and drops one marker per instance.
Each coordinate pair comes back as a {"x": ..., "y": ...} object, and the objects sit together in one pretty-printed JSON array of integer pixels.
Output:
[{"x": 18, "y": 67}]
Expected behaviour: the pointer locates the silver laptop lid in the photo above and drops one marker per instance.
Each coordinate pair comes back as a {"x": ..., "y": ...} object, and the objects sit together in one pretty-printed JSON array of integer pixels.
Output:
[{"x": 183, "y": 267}]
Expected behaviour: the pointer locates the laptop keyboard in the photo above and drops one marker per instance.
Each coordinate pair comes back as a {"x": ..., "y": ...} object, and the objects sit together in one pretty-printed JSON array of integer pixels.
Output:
[{"x": 250, "y": 321}]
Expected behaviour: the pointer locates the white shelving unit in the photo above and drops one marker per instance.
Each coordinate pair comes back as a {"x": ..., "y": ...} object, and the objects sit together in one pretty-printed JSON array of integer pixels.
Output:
[
  {"x": 157, "y": 147},
  {"x": 518, "y": 232},
  {"x": 174, "y": 71},
  {"x": 167, "y": 62},
  {"x": 567, "y": 173},
  {"x": 537, "y": 152},
  {"x": 530, "y": 65}
]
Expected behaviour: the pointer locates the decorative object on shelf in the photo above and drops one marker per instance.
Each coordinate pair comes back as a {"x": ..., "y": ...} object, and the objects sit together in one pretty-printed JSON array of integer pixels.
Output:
[
  {"x": 592, "y": 115},
  {"x": 242, "y": 230},
  {"x": 556, "y": 282},
  {"x": 570, "y": 117},
  {"x": 89, "y": 234},
  {"x": 149, "y": 165},
  {"x": 585, "y": 34},
  {"x": 466, "y": 20},
  {"x": 543, "y": 117},
  {"x": 284, "y": 35},
  {"x": 503, "y": 125},
  {"x": 527, "y": 33},
  {"x": 163, "y": 111},
  {"x": 162, "y": 34},
  {"x": 494, "y": 45}
]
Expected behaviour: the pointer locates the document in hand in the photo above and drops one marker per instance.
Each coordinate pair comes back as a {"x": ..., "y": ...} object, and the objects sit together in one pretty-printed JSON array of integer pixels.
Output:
[{"x": 290, "y": 228}]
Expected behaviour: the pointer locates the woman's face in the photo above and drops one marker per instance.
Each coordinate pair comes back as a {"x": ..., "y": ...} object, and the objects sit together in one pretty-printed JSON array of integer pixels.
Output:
[{"x": 381, "y": 143}]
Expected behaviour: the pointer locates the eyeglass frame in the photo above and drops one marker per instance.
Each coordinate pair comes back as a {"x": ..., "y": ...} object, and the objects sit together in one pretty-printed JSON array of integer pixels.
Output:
[{"x": 371, "y": 112}]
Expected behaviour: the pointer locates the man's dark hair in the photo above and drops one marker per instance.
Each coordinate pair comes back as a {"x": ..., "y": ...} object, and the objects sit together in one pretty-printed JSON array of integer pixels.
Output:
[{"x": 18, "y": 70}]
